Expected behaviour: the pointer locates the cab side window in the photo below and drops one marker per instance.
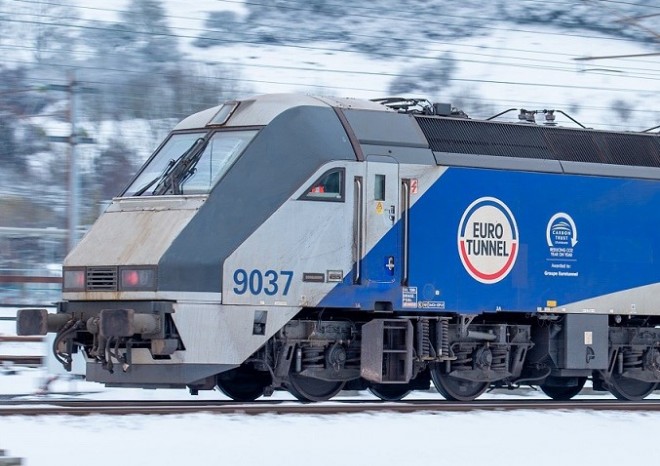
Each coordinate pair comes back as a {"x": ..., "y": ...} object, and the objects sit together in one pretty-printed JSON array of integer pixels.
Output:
[{"x": 328, "y": 187}]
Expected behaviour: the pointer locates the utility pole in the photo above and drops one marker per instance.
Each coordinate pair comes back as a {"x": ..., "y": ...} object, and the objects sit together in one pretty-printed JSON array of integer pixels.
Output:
[
  {"x": 73, "y": 197},
  {"x": 74, "y": 185}
]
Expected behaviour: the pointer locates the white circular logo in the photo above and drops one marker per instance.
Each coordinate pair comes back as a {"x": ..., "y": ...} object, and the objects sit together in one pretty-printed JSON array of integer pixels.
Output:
[
  {"x": 488, "y": 240},
  {"x": 561, "y": 231}
]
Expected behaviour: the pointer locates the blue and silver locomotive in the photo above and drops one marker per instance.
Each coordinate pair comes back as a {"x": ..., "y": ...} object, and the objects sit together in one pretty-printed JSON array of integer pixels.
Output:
[{"x": 289, "y": 242}]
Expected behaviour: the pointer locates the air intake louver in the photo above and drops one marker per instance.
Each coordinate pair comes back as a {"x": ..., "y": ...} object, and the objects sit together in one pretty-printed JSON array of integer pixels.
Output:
[
  {"x": 101, "y": 278},
  {"x": 460, "y": 136}
]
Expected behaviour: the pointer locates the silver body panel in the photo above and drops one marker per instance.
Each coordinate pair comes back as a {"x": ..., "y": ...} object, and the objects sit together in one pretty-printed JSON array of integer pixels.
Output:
[
  {"x": 636, "y": 301},
  {"x": 135, "y": 231},
  {"x": 261, "y": 110},
  {"x": 310, "y": 237}
]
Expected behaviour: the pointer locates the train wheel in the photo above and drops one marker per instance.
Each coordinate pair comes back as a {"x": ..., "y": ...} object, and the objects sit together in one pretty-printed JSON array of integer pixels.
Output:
[
  {"x": 243, "y": 383},
  {"x": 454, "y": 389},
  {"x": 310, "y": 389},
  {"x": 559, "y": 392},
  {"x": 390, "y": 392},
  {"x": 624, "y": 388}
]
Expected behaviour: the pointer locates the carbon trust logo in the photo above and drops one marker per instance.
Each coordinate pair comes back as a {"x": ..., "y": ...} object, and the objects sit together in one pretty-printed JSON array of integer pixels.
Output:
[
  {"x": 561, "y": 231},
  {"x": 488, "y": 240}
]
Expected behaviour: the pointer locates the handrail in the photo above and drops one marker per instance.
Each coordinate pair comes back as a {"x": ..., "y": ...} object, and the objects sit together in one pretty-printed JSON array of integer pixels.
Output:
[
  {"x": 359, "y": 228},
  {"x": 405, "y": 201}
]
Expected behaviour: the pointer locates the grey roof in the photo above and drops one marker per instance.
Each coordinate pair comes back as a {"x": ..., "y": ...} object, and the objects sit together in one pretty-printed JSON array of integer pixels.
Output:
[{"x": 260, "y": 110}]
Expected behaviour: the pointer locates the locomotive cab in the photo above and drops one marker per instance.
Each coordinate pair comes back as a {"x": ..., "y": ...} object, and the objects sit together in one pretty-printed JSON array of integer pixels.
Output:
[{"x": 153, "y": 271}]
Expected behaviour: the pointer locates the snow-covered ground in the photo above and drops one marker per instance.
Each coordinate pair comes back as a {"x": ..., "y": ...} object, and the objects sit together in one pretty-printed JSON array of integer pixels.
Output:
[{"x": 523, "y": 437}]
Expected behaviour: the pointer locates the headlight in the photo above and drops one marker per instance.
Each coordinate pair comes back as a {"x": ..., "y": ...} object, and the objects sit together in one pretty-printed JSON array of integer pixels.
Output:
[
  {"x": 137, "y": 278},
  {"x": 73, "y": 279},
  {"x": 109, "y": 278}
]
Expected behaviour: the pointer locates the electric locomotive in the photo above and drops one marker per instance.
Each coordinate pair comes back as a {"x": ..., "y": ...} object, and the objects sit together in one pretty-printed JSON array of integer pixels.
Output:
[{"x": 308, "y": 244}]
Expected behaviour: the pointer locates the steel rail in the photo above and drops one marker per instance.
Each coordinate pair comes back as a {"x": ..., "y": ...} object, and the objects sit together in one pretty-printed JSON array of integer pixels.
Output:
[{"x": 84, "y": 408}]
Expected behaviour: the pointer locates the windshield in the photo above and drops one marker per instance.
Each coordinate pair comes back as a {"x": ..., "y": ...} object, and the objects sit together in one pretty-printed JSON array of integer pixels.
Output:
[{"x": 194, "y": 173}]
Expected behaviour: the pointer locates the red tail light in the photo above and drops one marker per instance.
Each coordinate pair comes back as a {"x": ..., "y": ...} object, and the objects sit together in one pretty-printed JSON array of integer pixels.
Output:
[
  {"x": 138, "y": 278},
  {"x": 73, "y": 280}
]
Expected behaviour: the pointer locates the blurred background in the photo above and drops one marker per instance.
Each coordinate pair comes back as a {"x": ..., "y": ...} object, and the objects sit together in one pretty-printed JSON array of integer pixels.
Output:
[{"x": 88, "y": 88}]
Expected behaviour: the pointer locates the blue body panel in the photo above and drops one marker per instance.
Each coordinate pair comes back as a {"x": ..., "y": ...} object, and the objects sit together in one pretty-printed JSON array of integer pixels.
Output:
[{"x": 577, "y": 237}]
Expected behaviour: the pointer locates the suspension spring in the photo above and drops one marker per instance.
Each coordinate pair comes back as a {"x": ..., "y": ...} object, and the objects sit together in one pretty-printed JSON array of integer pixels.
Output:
[
  {"x": 632, "y": 358},
  {"x": 423, "y": 341},
  {"x": 353, "y": 354},
  {"x": 500, "y": 359},
  {"x": 313, "y": 357},
  {"x": 463, "y": 360},
  {"x": 442, "y": 338}
]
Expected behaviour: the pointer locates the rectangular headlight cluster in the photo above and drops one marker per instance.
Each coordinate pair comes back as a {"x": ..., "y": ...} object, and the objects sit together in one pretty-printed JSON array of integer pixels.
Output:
[
  {"x": 137, "y": 278},
  {"x": 73, "y": 279},
  {"x": 95, "y": 278}
]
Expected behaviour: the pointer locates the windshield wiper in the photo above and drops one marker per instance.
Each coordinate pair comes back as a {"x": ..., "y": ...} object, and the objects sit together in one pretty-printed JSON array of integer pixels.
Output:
[{"x": 177, "y": 171}]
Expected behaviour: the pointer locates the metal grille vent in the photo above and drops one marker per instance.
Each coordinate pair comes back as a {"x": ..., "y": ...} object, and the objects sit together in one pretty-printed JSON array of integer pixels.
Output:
[
  {"x": 540, "y": 142},
  {"x": 472, "y": 137},
  {"x": 628, "y": 149},
  {"x": 101, "y": 278}
]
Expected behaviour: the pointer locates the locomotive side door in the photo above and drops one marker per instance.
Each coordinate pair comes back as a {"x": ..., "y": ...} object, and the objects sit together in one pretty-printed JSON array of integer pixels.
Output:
[{"x": 380, "y": 248}]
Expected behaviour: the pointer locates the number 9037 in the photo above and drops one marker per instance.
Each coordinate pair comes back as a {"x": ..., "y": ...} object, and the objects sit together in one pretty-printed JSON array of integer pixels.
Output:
[{"x": 256, "y": 282}]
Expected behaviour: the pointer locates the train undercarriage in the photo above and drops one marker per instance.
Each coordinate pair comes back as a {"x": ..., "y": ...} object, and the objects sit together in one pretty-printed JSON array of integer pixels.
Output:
[
  {"x": 463, "y": 356},
  {"x": 315, "y": 357}
]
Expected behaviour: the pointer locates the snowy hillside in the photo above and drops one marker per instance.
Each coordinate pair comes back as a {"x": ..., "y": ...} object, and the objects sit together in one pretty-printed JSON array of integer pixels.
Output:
[
  {"x": 141, "y": 65},
  {"x": 484, "y": 56}
]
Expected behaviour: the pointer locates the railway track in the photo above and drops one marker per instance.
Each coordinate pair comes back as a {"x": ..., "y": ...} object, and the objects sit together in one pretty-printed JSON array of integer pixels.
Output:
[{"x": 83, "y": 408}]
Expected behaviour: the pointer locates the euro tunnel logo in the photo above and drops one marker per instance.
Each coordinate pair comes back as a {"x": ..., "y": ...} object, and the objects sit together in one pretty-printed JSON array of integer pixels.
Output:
[{"x": 488, "y": 240}]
